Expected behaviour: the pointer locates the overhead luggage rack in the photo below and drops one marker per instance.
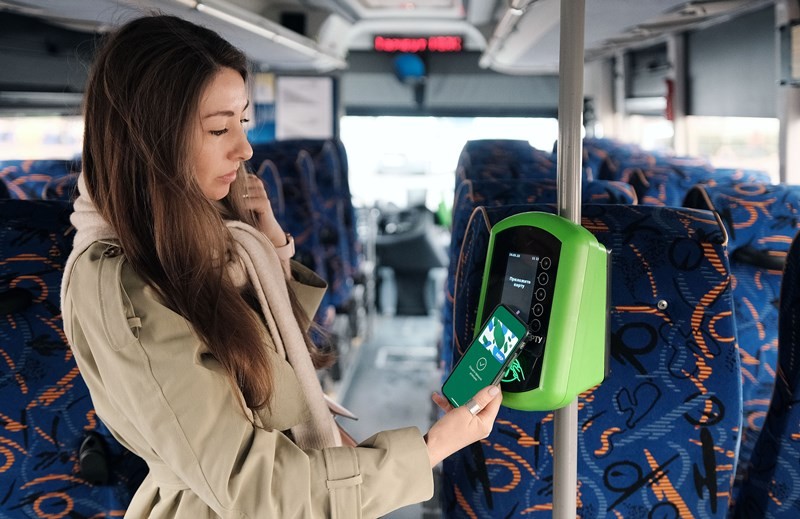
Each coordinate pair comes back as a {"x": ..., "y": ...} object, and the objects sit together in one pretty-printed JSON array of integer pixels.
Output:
[{"x": 269, "y": 45}]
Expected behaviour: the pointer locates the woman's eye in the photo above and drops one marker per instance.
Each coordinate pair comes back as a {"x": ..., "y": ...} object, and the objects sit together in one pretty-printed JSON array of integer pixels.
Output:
[
  {"x": 244, "y": 121},
  {"x": 218, "y": 132}
]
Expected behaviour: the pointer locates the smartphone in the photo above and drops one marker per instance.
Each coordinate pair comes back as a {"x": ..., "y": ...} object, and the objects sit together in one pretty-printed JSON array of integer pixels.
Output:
[{"x": 497, "y": 344}]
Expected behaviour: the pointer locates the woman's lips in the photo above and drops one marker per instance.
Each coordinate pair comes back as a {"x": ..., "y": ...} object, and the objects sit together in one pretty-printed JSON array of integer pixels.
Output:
[{"x": 229, "y": 178}]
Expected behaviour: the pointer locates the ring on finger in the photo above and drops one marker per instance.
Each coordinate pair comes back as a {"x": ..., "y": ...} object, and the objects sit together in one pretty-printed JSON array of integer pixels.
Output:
[{"x": 473, "y": 407}]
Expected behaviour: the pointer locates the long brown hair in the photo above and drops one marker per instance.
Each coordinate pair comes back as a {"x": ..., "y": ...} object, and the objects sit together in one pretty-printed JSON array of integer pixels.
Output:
[{"x": 141, "y": 102}]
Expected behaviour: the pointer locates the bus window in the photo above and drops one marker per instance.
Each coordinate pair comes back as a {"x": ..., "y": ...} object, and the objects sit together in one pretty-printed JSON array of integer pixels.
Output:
[
  {"x": 649, "y": 132},
  {"x": 407, "y": 160},
  {"x": 735, "y": 142},
  {"x": 46, "y": 137}
]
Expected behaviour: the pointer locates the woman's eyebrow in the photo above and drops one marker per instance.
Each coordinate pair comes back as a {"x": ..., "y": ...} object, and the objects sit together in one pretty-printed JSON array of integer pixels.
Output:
[{"x": 226, "y": 113}]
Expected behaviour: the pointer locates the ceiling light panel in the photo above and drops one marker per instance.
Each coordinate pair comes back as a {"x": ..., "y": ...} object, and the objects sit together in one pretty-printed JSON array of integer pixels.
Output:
[{"x": 410, "y": 4}]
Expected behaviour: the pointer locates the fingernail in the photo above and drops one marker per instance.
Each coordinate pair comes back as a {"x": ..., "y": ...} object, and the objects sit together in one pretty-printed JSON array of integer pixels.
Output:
[{"x": 493, "y": 390}]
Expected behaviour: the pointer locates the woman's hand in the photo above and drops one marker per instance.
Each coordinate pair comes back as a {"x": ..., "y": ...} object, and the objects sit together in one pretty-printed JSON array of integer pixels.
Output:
[
  {"x": 459, "y": 427},
  {"x": 256, "y": 200}
]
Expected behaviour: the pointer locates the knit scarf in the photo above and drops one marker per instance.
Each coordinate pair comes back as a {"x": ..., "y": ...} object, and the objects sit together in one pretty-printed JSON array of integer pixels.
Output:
[{"x": 263, "y": 268}]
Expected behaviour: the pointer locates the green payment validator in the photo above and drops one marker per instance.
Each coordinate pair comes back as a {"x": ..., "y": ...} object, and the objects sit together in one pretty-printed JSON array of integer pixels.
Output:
[{"x": 554, "y": 275}]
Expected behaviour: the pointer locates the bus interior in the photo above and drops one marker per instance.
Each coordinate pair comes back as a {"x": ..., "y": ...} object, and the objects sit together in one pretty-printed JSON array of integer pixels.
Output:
[{"x": 392, "y": 135}]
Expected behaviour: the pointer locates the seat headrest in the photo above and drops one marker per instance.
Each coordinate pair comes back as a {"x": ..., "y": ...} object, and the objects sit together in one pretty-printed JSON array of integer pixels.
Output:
[{"x": 761, "y": 219}]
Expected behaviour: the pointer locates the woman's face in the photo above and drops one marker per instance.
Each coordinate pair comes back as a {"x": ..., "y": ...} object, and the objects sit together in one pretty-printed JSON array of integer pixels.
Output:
[{"x": 219, "y": 142}]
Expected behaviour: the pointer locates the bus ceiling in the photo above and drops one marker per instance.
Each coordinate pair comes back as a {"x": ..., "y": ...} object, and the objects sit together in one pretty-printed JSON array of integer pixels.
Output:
[{"x": 516, "y": 37}]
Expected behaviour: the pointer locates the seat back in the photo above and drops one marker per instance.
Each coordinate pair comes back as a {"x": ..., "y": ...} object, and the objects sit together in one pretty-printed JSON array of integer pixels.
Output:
[
  {"x": 594, "y": 160},
  {"x": 503, "y": 159},
  {"x": 761, "y": 221},
  {"x": 301, "y": 210},
  {"x": 737, "y": 175},
  {"x": 608, "y": 192},
  {"x": 322, "y": 192},
  {"x": 349, "y": 211},
  {"x": 61, "y": 188},
  {"x": 333, "y": 232},
  {"x": 270, "y": 176},
  {"x": 44, "y": 403},
  {"x": 669, "y": 184},
  {"x": 771, "y": 487},
  {"x": 658, "y": 437},
  {"x": 26, "y": 179}
]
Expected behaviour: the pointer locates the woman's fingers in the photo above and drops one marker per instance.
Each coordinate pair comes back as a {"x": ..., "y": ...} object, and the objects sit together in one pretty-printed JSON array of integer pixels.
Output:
[
  {"x": 256, "y": 198},
  {"x": 458, "y": 427},
  {"x": 255, "y": 188},
  {"x": 491, "y": 407},
  {"x": 442, "y": 402},
  {"x": 485, "y": 403},
  {"x": 257, "y": 201}
]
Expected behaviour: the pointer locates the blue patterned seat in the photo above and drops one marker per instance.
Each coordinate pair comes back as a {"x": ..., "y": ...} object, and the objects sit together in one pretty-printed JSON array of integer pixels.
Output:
[
  {"x": 503, "y": 159},
  {"x": 45, "y": 408},
  {"x": 268, "y": 173},
  {"x": 61, "y": 188},
  {"x": 323, "y": 187},
  {"x": 669, "y": 185},
  {"x": 761, "y": 221},
  {"x": 658, "y": 437},
  {"x": 608, "y": 192},
  {"x": 594, "y": 160},
  {"x": 348, "y": 210},
  {"x": 26, "y": 179},
  {"x": 620, "y": 159},
  {"x": 771, "y": 488},
  {"x": 331, "y": 196},
  {"x": 301, "y": 217},
  {"x": 734, "y": 176}
]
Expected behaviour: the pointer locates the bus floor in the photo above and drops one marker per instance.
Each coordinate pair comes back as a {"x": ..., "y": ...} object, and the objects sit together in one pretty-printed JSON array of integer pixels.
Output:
[{"x": 391, "y": 385}]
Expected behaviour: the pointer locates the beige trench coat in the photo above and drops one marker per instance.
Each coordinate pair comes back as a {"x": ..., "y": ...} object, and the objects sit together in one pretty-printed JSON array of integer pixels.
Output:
[{"x": 166, "y": 399}]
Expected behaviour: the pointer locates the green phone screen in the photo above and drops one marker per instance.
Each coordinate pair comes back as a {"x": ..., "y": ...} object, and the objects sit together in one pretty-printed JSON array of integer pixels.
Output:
[{"x": 487, "y": 356}]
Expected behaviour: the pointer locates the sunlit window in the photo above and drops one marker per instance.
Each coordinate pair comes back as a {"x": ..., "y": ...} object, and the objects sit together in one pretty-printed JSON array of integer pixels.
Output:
[
  {"x": 726, "y": 142},
  {"x": 411, "y": 160},
  {"x": 736, "y": 142},
  {"x": 29, "y": 138},
  {"x": 650, "y": 133}
]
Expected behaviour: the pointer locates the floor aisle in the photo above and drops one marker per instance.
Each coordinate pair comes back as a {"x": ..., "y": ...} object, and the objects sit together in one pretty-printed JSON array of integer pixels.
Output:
[{"x": 392, "y": 383}]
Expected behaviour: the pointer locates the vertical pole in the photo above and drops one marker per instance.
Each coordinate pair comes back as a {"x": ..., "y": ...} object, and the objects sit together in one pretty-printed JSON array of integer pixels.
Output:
[
  {"x": 676, "y": 51},
  {"x": 788, "y": 100},
  {"x": 570, "y": 151},
  {"x": 620, "y": 93}
]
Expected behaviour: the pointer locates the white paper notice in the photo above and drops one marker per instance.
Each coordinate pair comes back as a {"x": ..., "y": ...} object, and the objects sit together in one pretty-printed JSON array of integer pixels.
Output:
[{"x": 304, "y": 108}]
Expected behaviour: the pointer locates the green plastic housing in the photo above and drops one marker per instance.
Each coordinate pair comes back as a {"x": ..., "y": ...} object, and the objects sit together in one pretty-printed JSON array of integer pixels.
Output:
[{"x": 575, "y": 356}]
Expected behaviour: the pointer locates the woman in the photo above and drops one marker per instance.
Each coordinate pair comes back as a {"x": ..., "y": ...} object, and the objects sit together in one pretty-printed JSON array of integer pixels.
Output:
[{"x": 187, "y": 318}]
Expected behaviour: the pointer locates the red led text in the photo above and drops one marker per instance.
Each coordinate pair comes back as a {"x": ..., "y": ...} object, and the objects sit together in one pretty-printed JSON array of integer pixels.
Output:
[{"x": 419, "y": 44}]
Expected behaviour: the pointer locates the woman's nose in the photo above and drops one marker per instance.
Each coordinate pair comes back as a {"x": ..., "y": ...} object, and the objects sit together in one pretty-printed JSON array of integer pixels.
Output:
[{"x": 243, "y": 149}]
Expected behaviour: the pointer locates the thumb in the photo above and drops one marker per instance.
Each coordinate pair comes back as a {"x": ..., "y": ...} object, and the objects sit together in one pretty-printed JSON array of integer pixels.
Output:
[{"x": 482, "y": 398}]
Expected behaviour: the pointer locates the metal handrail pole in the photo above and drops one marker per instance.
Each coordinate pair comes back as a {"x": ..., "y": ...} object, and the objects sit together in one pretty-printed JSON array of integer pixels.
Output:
[{"x": 570, "y": 122}]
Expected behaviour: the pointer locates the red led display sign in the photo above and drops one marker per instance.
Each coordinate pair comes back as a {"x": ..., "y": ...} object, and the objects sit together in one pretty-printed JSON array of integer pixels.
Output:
[{"x": 418, "y": 44}]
